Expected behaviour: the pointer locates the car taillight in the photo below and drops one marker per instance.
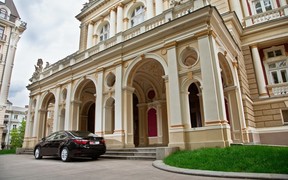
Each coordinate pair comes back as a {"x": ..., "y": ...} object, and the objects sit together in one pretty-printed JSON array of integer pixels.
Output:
[
  {"x": 80, "y": 141},
  {"x": 102, "y": 141}
]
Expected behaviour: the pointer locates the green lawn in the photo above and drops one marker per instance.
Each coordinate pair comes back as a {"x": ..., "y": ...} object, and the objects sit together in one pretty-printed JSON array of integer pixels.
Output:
[
  {"x": 260, "y": 159},
  {"x": 8, "y": 151}
]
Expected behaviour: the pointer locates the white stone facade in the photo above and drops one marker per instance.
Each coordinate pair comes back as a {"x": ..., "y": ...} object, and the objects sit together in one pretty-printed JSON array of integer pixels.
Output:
[
  {"x": 13, "y": 118},
  {"x": 11, "y": 27},
  {"x": 185, "y": 74}
]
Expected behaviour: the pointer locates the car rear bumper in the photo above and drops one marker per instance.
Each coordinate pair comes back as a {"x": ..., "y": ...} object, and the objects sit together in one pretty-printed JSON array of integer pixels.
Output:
[{"x": 87, "y": 152}]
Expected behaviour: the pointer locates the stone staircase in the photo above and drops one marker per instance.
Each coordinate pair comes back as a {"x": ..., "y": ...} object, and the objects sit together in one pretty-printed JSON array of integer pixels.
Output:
[
  {"x": 24, "y": 151},
  {"x": 131, "y": 153}
]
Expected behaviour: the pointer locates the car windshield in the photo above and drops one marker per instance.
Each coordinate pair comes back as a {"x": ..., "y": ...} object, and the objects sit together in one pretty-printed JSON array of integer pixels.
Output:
[{"x": 83, "y": 134}]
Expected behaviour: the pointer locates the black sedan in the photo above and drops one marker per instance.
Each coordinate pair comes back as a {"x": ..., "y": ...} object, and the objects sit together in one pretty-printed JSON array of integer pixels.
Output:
[{"x": 70, "y": 144}]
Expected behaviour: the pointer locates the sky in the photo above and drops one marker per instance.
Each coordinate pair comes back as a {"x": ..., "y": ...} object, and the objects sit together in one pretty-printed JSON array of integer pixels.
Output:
[{"x": 52, "y": 34}]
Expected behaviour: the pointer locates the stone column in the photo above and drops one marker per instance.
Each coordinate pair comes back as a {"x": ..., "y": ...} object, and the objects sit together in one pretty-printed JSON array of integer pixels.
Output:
[
  {"x": 259, "y": 72},
  {"x": 128, "y": 116},
  {"x": 56, "y": 110},
  {"x": 213, "y": 96},
  {"x": 119, "y": 17},
  {"x": 90, "y": 36},
  {"x": 236, "y": 6},
  {"x": 159, "y": 7},
  {"x": 143, "y": 128},
  {"x": 112, "y": 22},
  {"x": 68, "y": 123},
  {"x": 36, "y": 118},
  {"x": 75, "y": 114},
  {"x": 28, "y": 129},
  {"x": 150, "y": 11},
  {"x": 125, "y": 21},
  {"x": 284, "y": 3},
  {"x": 118, "y": 98},
  {"x": 99, "y": 103},
  {"x": 245, "y": 8}
]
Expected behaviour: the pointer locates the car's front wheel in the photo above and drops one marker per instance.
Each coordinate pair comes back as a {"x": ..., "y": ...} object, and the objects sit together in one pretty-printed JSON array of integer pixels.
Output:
[
  {"x": 37, "y": 153},
  {"x": 65, "y": 154}
]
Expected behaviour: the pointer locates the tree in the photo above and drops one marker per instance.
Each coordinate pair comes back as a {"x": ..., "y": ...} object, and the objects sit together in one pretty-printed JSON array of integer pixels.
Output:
[{"x": 17, "y": 136}]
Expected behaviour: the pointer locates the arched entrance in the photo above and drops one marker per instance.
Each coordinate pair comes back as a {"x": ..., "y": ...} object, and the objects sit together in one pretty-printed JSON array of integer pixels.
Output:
[
  {"x": 46, "y": 120},
  {"x": 194, "y": 106},
  {"x": 85, "y": 105},
  {"x": 232, "y": 99},
  {"x": 146, "y": 78}
]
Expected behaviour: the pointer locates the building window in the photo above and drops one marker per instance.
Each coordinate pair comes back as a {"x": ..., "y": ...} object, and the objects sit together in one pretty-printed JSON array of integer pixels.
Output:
[
  {"x": 15, "y": 116},
  {"x": 14, "y": 126},
  {"x": 3, "y": 13},
  {"x": 137, "y": 16},
  {"x": 104, "y": 33},
  {"x": 285, "y": 116},
  {"x": 262, "y": 6},
  {"x": 2, "y": 35},
  {"x": 276, "y": 65},
  {"x": 278, "y": 72}
]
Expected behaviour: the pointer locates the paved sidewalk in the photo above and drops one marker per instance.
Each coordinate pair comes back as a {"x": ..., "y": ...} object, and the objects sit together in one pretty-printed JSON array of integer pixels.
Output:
[{"x": 160, "y": 165}]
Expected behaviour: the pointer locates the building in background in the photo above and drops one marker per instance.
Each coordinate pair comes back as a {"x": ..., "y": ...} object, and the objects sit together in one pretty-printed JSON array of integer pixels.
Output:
[
  {"x": 188, "y": 74},
  {"x": 12, "y": 120},
  {"x": 11, "y": 27}
]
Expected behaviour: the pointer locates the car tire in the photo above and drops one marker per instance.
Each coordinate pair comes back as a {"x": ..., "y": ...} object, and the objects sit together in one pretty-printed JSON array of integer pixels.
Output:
[
  {"x": 95, "y": 157},
  {"x": 37, "y": 153},
  {"x": 64, "y": 155}
]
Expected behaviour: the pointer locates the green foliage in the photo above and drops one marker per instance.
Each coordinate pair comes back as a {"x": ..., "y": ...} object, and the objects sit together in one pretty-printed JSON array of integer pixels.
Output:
[
  {"x": 260, "y": 159},
  {"x": 8, "y": 151},
  {"x": 17, "y": 136}
]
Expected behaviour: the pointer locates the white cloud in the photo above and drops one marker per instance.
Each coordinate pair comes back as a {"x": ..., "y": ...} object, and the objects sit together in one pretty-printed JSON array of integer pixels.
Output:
[{"x": 52, "y": 33}]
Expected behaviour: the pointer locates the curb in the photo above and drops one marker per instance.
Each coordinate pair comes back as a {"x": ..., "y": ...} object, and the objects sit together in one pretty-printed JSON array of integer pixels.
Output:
[{"x": 160, "y": 165}]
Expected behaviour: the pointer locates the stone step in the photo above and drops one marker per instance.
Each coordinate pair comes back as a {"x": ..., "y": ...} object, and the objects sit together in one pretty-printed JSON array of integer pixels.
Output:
[
  {"x": 128, "y": 157},
  {"x": 124, "y": 153},
  {"x": 24, "y": 151},
  {"x": 131, "y": 153}
]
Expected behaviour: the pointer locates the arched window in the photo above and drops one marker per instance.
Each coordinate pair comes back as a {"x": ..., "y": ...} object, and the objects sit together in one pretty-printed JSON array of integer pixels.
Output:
[
  {"x": 137, "y": 16},
  {"x": 104, "y": 33},
  {"x": 3, "y": 13}
]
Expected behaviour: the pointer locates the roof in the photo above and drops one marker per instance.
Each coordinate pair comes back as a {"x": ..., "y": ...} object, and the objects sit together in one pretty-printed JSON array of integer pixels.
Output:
[{"x": 10, "y": 4}]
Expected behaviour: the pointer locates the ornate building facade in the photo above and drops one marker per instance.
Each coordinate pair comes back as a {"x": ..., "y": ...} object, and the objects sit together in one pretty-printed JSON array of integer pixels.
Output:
[
  {"x": 11, "y": 27},
  {"x": 188, "y": 74}
]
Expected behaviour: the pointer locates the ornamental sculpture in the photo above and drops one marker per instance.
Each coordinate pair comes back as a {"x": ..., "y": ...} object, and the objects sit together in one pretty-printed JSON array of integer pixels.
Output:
[
  {"x": 175, "y": 2},
  {"x": 38, "y": 70}
]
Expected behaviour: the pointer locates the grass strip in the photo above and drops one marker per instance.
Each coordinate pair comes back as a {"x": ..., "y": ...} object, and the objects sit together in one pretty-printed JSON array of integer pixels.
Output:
[
  {"x": 7, "y": 151},
  {"x": 257, "y": 159}
]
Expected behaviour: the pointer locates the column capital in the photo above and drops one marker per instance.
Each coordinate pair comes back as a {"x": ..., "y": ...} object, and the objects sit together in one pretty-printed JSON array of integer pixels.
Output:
[
  {"x": 254, "y": 46},
  {"x": 121, "y": 5},
  {"x": 171, "y": 44},
  {"x": 113, "y": 8},
  {"x": 129, "y": 89}
]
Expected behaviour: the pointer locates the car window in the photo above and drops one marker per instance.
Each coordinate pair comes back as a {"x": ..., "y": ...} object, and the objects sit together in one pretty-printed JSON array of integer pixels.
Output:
[
  {"x": 50, "y": 137},
  {"x": 83, "y": 134},
  {"x": 60, "y": 136}
]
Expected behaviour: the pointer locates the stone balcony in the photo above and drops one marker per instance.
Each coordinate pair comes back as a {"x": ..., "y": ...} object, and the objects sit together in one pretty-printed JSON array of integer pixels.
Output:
[
  {"x": 266, "y": 16},
  {"x": 278, "y": 89}
]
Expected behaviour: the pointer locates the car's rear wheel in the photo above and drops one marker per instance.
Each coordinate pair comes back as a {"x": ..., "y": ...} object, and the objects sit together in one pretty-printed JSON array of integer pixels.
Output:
[
  {"x": 37, "y": 153},
  {"x": 95, "y": 157},
  {"x": 65, "y": 154}
]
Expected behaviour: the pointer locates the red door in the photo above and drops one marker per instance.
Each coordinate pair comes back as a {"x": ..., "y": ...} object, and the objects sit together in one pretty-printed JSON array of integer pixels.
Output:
[{"x": 152, "y": 123}]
